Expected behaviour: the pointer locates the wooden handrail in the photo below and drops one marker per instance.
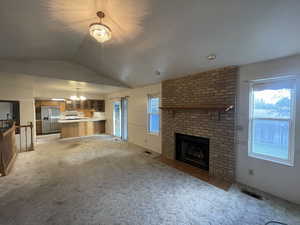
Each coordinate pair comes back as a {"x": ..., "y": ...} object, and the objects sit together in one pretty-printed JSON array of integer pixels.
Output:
[{"x": 5, "y": 133}]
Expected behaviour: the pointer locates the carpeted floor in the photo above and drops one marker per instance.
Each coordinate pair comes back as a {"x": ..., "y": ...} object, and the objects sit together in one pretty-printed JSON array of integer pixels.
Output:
[{"x": 96, "y": 181}]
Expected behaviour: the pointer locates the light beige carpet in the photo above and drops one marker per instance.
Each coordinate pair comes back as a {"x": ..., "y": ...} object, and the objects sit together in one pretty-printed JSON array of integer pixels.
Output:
[{"x": 95, "y": 181}]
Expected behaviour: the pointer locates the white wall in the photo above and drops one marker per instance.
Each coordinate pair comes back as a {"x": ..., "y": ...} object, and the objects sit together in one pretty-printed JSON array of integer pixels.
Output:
[
  {"x": 277, "y": 179},
  {"x": 137, "y": 116}
]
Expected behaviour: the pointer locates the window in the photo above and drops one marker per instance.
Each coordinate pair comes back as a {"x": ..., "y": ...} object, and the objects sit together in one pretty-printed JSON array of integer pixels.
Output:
[
  {"x": 153, "y": 115},
  {"x": 272, "y": 122}
]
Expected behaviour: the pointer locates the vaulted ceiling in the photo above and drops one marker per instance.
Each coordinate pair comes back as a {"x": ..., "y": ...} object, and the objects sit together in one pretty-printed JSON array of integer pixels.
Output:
[{"x": 172, "y": 36}]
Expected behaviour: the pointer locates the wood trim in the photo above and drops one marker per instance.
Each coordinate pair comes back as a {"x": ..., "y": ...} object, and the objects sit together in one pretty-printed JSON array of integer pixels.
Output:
[
  {"x": 206, "y": 107},
  {"x": 5, "y": 133},
  {"x": 8, "y": 151},
  {"x": 10, "y": 165}
]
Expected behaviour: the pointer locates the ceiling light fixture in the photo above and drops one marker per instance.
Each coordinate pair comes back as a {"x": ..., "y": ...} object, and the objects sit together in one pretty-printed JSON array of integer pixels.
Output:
[
  {"x": 99, "y": 31},
  {"x": 77, "y": 97}
]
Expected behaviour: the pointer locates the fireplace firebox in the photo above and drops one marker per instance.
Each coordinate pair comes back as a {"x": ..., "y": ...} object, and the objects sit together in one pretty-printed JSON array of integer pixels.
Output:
[{"x": 192, "y": 150}]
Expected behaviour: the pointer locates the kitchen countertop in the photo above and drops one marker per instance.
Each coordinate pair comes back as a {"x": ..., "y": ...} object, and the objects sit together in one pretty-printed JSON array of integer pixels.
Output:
[{"x": 82, "y": 120}]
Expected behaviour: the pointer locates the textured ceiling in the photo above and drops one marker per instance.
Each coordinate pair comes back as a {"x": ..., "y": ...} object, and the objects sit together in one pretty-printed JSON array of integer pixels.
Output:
[{"x": 172, "y": 36}]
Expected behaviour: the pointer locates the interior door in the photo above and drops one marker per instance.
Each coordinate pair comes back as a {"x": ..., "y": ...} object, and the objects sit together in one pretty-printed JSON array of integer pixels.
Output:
[{"x": 117, "y": 118}]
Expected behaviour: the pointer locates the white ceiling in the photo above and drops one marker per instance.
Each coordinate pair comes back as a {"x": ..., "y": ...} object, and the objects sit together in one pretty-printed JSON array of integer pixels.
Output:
[{"x": 172, "y": 36}]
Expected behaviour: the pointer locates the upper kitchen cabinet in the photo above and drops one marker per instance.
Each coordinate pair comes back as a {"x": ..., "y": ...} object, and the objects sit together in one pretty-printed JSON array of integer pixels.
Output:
[
  {"x": 97, "y": 105},
  {"x": 90, "y": 104},
  {"x": 70, "y": 105}
]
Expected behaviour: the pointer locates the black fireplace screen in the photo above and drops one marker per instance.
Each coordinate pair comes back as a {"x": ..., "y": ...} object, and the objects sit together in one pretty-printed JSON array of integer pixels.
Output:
[{"x": 193, "y": 150}]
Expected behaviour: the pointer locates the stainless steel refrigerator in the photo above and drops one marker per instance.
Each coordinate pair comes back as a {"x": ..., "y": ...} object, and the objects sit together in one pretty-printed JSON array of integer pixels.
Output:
[{"x": 50, "y": 116}]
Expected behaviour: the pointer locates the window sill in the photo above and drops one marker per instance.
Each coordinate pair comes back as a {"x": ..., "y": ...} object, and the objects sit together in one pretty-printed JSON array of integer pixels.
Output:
[
  {"x": 271, "y": 159},
  {"x": 154, "y": 134}
]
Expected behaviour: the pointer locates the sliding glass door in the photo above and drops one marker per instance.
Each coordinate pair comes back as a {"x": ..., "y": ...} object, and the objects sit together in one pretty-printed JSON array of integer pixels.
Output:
[
  {"x": 120, "y": 121},
  {"x": 117, "y": 118},
  {"x": 124, "y": 120}
]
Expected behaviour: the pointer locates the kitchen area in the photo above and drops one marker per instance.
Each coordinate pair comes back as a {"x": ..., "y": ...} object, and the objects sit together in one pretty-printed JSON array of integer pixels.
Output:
[{"x": 74, "y": 117}]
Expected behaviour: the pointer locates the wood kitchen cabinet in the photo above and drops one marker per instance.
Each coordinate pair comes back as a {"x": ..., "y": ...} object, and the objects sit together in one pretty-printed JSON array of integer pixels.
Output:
[
  {"x": 90, "y": 104},
  {"x": 70, "y": 105}
]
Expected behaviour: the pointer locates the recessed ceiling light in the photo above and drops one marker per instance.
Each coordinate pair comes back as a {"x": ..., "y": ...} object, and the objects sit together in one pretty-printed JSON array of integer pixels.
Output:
[{"x": 211, "y": 57}]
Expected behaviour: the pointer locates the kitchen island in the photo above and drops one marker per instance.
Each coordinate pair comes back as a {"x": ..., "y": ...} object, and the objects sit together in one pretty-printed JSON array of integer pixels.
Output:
[{"x": 81, "y": 127}]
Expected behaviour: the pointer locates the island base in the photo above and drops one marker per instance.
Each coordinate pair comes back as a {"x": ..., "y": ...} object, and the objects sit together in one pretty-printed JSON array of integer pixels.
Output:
[{"x": 81, "y": 129}]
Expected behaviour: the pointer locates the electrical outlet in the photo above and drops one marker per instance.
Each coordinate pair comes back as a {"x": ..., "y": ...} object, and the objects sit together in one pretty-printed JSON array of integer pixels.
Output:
[{"x": 251, "y": 172}]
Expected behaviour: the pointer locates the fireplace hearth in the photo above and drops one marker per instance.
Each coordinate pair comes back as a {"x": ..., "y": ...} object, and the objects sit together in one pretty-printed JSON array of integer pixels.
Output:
[{"x": 192, "y": 150}]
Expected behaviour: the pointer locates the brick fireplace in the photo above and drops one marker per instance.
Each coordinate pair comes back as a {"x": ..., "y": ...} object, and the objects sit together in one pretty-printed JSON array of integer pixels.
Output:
[{"x": 215, "y": 87}]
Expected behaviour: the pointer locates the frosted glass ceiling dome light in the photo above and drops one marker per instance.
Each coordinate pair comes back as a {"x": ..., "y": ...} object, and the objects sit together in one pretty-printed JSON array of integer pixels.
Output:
[{"x": 99, "y": 31}]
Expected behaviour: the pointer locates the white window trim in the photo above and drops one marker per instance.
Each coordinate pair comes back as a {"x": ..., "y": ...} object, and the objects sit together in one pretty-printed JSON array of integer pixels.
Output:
[
  {"x": 290, "y": 160},
  {"x": 148, "y": 115}
]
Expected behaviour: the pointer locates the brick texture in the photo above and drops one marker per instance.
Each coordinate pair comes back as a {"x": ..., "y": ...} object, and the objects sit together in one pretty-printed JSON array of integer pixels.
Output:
[{"x": 211, "y": 87}]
